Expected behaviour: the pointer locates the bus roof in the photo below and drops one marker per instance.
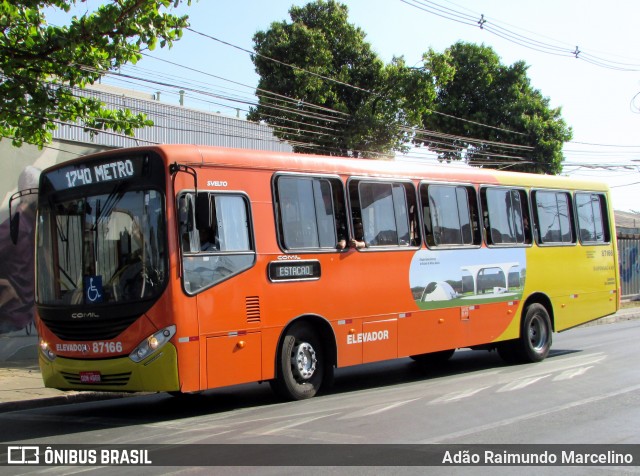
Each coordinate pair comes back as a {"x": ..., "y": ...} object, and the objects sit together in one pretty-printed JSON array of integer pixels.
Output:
[{"x": 203, "y": 156}]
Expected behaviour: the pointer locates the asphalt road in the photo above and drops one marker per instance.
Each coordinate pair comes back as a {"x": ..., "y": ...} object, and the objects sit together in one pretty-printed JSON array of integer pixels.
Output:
[{"x": 586, "y": 392}]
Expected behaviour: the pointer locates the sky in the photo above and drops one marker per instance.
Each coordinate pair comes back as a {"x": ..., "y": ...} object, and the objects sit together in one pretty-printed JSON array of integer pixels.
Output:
[{"x": 598, "y": 103}]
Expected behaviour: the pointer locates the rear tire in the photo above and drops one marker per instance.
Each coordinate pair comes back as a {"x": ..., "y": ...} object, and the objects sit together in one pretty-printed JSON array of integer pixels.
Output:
[
  {"x": 300, "y": 364},
  {"x": 536, "y": 334},
  {"x": 535, "y": 338}
]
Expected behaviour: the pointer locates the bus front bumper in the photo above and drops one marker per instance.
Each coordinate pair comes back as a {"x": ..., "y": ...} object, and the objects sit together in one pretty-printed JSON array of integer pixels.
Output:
[{"x": 156, "y": 373}]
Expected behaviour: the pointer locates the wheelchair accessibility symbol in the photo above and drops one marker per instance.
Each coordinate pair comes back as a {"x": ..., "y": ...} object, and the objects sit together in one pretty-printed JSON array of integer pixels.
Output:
[{"x": 93, "y": 289}]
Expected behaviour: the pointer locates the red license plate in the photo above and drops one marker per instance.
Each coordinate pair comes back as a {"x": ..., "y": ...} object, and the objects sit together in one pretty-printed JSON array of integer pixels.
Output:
[{"x": 90, "y": 377}]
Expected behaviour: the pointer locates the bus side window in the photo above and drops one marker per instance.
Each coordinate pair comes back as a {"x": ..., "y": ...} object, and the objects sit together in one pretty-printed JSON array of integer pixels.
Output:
[
  {"x": 592, "y": 218},
  {"x": 553, "y": 217},
  {"x": 310, "y": 213},
  {"x": 386, "y": 212},
  {"x": 229, "y": 252},
  {"x": 505, "y": 216},
  {"x": 452, "y": 215}
]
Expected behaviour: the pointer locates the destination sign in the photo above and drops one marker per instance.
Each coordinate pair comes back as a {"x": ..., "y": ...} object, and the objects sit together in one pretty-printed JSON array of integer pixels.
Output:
[
  {"x": 294, "y": 270},
  {"x": 94, "y": 173}
]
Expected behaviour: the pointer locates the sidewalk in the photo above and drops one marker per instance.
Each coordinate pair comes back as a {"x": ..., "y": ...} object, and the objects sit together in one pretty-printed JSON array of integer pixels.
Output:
[{"x": 21, "y": 384}]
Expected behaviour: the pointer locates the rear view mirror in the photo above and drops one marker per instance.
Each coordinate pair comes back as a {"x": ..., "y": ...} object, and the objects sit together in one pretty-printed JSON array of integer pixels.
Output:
[{"x": 14, "y": 215}]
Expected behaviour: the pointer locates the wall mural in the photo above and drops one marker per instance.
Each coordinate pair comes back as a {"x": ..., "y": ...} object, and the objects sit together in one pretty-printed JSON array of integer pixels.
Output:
[
  {"x": 22, "y": 171},
  {"x": 17, "y": 260}
]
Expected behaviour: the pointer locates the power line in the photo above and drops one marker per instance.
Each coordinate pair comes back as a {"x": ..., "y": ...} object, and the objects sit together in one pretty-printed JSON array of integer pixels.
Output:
[
  {"x": 443, "y": 142},
  {"x": 298, "y": 109},
  {"x": 625, "y": 185},
  {"x": 297, "y": 68},
  {"x": 271, "y": 93},
  {"x": 440, "y": 142},
  {"x": 603, "y": 145},
  {"x": 423, "y": 134},
  {"x": 342, "y": 83},
  {"x": 493, "y": 26}
]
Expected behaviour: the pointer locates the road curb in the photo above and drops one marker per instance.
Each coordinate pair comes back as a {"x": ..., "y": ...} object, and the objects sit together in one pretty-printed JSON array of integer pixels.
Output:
[
  {"x": 61, "y": 400},
  {"x": 629, "y": 314}
]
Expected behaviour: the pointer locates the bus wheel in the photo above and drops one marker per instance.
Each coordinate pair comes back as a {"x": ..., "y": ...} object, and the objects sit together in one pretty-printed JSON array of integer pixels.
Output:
[
  {"x": 535, "y": 335},
  {"x": 301, "y": 362}
]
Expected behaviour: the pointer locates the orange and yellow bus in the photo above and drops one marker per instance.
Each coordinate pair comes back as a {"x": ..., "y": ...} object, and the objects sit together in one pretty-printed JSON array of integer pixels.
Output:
[{"x": 181, "y": 268}]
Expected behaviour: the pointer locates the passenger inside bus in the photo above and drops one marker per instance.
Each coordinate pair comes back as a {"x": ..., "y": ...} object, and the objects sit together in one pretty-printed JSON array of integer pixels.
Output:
[
  {"x": 341, "y": 226},
  {"x": 358, "y": 241},
  {"x": 208, "y": 240}
]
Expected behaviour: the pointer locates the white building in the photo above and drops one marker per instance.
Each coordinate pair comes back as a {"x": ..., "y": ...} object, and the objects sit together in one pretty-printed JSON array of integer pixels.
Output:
[{"x": 172, "y": 124}]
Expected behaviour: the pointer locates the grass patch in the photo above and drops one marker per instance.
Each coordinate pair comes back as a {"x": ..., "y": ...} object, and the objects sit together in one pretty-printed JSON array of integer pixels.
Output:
[{"x": 474, "y": 301}]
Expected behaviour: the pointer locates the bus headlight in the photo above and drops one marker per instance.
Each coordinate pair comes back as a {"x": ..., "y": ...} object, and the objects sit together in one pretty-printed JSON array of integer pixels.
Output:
[
  {"x": 152, "y": 343},
  {"x": 46, "y": 351}
]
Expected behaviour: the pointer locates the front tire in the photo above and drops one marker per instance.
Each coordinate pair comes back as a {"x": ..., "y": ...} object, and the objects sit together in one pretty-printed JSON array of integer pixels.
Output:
[{"x": 300, "y": 364}]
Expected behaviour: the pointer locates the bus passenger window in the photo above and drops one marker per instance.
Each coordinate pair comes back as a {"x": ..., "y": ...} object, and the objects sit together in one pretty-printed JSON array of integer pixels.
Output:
[
  {"x": 592, "y": 218},
  {"x": 310, "y": 213},
  {"x": 386, "y": 212},
  {"x": 553, "y": 217},
  {"x": 505, "y": 216},
  {"x": 452, "y": 215}
]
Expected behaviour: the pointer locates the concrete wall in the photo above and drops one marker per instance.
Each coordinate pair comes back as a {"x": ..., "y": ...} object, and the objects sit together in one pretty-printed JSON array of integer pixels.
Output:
[{"x": 20, "y": 169}]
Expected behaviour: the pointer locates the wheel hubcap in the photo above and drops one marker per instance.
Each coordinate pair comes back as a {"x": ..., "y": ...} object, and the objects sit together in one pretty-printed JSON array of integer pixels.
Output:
[
  {"x": 537, "y": 333},
  {"x": 304, "y": 360}
]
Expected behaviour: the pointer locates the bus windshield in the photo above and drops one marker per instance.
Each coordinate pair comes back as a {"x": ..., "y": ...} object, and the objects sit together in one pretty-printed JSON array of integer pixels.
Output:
[{"x": 96, "y": 249}]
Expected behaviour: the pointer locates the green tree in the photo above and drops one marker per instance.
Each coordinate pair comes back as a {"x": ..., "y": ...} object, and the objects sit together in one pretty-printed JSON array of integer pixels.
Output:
[
  {"x": 41, "y": 64},
  {"x": 485, "y": 92},
  {"x": 328, "y": 92}
]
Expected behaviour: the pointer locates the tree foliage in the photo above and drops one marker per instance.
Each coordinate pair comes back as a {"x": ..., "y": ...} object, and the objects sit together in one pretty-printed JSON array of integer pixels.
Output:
[
  {"x": 42, "y": 64},
  {"x": 483, "y": 92},
  {"x": 365, "y": 108},
  {"x": 321, "y": 82}
]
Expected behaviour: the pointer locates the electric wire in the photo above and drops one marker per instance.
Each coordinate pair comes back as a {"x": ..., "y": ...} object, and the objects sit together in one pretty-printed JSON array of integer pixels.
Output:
[
  {"x": 425, "y": 135},
  {"x": 493, "y": 27},
  {"x": 342, "y": 83}
]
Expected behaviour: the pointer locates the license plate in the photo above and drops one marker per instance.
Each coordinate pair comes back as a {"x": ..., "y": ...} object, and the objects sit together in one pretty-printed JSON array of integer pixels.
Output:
[{"x": 90, "y": 377}]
